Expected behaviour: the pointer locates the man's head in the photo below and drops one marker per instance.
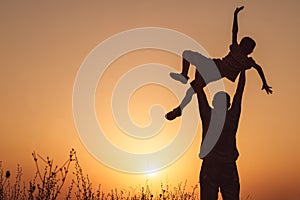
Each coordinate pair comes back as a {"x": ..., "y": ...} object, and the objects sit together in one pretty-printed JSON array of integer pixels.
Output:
[
  {"x": 218, "y": 101},
  {"x": 247, "y": 45}
]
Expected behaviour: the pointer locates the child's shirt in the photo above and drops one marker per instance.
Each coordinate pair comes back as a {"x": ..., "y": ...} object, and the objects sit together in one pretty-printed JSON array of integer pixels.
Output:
[{"x": 234, "y": 62}]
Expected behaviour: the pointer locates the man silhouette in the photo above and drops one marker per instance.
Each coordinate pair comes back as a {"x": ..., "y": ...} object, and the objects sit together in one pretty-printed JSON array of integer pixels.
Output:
[{"x": 219, "y": 168}]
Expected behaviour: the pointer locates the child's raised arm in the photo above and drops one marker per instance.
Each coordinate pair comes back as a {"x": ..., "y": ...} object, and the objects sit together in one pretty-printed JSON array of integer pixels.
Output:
[
  {"x": 235, "y": 25},
  {"x": 263, "y": 78}
]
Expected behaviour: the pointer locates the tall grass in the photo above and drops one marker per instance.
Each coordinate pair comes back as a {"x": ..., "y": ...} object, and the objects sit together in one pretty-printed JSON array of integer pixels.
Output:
[{"x": 49, "y": 182}]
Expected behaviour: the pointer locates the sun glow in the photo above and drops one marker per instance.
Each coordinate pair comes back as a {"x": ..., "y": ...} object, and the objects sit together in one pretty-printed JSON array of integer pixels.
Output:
[{"x": 152, "y": 174}]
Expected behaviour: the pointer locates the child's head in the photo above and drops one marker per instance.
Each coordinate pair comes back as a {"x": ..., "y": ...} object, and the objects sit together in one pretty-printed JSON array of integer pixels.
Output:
[
  {"x": 247, "y": 45},
  {"x": 219, "y": 98}
]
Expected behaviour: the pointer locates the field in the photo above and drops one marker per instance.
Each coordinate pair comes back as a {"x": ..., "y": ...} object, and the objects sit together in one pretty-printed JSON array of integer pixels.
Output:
[{"x": 50, "y": 182}]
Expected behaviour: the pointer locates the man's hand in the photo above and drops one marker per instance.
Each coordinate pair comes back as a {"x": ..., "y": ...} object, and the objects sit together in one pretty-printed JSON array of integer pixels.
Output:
[
  {"x": 238, "y": 9},
  {"x": 267, "y": 88}
]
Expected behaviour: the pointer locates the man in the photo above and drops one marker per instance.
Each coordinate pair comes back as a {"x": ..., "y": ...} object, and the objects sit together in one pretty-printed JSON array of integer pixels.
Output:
[{"x": 219, "y": 168}]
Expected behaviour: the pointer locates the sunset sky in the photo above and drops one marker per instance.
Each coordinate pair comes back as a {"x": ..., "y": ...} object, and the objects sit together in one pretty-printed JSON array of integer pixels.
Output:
[{"x": 43, "y": 45}]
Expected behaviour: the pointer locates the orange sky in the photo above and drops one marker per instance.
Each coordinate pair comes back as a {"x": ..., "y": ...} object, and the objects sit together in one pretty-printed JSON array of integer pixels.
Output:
[{"x": 44, "y": 44}]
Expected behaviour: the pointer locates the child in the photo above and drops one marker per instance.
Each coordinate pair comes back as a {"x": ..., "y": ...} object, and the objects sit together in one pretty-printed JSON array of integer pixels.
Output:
[{"x": 230, "y": 66}]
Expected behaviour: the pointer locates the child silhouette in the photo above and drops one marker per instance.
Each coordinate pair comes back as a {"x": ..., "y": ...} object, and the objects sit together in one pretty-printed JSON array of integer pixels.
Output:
[{"x": 230, "y": 66}]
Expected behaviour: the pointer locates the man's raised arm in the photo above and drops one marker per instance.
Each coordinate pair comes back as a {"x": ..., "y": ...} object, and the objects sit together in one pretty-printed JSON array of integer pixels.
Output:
[
  {"x": 235, "y": 27},
  {"x": 237, "y": 99},
  {"x": 204, "y": 107}
]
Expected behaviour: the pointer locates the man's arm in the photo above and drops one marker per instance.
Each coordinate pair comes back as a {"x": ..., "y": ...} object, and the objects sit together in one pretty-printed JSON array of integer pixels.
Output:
[
  {"x": 235, "y": 27},
  {"x": 237, "y": 99},
  {"x": 263, "y": 79},
  {"x": 204, "y": 107}
]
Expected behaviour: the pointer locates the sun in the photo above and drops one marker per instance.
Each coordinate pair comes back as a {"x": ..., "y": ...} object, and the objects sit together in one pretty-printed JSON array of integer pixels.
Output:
[{"x": 152, "y": 174}]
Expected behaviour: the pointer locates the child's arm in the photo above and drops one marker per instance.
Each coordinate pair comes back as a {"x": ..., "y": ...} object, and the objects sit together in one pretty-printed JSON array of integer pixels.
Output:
[
  {"x": 263, "y": 78},
  {"x": 235, "y": 25}
]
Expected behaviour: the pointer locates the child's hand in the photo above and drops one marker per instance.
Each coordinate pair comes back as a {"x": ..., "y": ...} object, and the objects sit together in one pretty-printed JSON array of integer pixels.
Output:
[
  {"x": 267, "y": 88},
  {"x": 237, "y": 10}
]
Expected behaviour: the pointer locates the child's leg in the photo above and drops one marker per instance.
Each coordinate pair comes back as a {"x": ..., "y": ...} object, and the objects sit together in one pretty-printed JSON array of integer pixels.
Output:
[
  {"x": 187, "y": 98},
  {"x": 176, "y": 112},
  {"x": 204, "y": 66},
  {"x": 207, "y": 67},
  {"x": 183, "y": 76},
  {"x": 185, "y": 67},
  {"x": 196, "y": 84}
]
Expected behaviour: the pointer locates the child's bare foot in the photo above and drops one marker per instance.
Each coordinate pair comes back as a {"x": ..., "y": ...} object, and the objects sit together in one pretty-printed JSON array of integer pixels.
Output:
[
  {"x": 179, "y": 77},
  {"x": 173, "y": 114}
]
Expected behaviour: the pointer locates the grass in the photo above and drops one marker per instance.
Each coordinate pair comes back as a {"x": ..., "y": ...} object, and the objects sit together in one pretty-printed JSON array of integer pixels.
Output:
[{"x": 49, "y": 182}]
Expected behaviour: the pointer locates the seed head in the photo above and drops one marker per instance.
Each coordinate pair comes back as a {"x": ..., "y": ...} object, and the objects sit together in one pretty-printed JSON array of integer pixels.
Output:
[{"x": 7, "y": 175}]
